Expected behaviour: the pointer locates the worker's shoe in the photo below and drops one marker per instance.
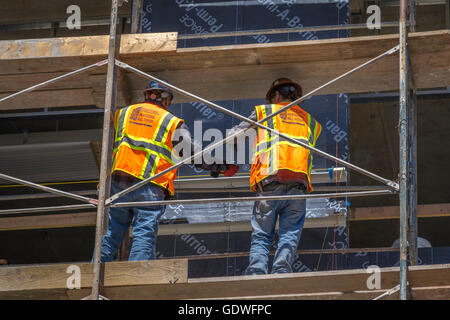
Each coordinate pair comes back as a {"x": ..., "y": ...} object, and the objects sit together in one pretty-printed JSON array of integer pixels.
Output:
[{"x": 252, "y": 272}]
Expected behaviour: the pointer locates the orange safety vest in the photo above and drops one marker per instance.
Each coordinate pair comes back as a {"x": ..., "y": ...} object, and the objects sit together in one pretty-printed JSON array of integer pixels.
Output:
[
  {"x": 143, "y": 143},
  {"x": 274, "y": 155}
]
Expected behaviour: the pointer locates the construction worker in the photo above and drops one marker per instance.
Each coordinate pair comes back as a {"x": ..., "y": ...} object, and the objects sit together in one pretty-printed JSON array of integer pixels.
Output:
[
  {"x": 279, "y": 168},
  {"x": 142, "y": 148}
]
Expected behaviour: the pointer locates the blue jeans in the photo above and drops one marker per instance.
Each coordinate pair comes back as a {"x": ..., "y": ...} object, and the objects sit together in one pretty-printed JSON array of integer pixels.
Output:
[
  {"x": 291, "y": 214},
  {"x": 144, "y": 220}
]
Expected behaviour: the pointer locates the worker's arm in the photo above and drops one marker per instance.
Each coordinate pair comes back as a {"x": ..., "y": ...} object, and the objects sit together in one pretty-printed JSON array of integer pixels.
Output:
[{"x": 184, "y": 142}]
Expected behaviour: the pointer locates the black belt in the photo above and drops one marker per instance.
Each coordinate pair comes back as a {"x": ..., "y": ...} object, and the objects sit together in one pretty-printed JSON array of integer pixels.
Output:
[
  {"x": 127, "y": 180},
  {"x": 123, "y": 178},
  {"x": 275, "y": 185}
]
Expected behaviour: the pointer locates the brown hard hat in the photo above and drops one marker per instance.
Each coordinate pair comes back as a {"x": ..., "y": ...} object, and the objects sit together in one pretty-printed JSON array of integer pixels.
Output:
[{"x": 281, "y": 82}]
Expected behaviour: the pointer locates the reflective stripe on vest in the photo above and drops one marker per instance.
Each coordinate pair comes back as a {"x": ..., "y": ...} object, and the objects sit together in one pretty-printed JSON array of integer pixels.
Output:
[
  {"x": 142, "y": 142},
  {"x": 273, "y": 153}
]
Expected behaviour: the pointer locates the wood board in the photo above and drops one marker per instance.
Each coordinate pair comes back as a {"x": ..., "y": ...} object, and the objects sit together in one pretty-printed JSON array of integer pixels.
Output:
[
  {"x": 434, "y": 280},
  {"x": 57, "y": 276},
  {"x": 227, "y": 72}
]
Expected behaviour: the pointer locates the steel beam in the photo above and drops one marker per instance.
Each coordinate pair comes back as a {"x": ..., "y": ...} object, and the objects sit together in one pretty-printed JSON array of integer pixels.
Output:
[{"x": 254, "y": 124}]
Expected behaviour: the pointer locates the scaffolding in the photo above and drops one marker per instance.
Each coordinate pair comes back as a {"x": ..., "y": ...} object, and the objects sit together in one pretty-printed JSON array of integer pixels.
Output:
[{"x": 405, "y": 187}]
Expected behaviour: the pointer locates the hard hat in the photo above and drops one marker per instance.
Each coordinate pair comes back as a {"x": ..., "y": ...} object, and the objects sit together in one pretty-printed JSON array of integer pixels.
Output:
[
  {"x": 293, "y": 86},
  {"x": 153, "y": 85}
]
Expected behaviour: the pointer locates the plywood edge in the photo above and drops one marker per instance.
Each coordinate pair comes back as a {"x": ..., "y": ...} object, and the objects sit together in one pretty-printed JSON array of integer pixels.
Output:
[
  {"x": 86, "y": 46},
  {"x": 63, "y": 276},
  {"x": 425, "y": 279}
]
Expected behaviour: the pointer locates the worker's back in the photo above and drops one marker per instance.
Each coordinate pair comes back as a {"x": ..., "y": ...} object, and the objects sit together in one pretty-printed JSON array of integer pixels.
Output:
[
  {"x": 276, "y": 156},
  {"x": 143, "y": 142}
]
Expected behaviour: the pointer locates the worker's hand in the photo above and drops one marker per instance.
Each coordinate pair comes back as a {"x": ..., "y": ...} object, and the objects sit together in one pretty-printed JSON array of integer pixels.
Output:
[
  {"x": 231, "y": 170},
  {"x": 228, "y": 170}
]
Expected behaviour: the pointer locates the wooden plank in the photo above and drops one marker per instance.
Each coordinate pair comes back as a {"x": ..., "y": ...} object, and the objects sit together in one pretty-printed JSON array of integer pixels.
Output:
[
  {"x": 420, "y": 293},
  {"x": 240, "y": 71},
  {"x": 393, "y": 212},
  {"x": 345, "y": 281},
  {"x": 85, "y": 46},
  {"x": 157, "y": 279},
  {"x": 55, "y": 276}
]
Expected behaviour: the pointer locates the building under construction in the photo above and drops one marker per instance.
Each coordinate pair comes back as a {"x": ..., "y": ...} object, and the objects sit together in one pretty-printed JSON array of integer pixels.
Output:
[{"x": 375, "y": 74}]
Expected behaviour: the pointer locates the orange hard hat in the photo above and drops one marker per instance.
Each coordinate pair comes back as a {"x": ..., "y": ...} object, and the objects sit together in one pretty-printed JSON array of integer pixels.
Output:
[{"x": 284, "y": 82}]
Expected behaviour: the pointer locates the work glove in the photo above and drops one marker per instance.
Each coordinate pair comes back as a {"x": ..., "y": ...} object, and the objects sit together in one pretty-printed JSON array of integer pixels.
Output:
[{"x": 228, "y": 170}]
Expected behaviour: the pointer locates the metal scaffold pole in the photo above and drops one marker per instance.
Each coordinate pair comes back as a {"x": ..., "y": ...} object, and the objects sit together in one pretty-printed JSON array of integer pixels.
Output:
[
  {"x": 412, "y": 113},
  {"x": 413, "y": 221},
  {"x": 110, "y": 103},
  {"x": 404, "y": 152}
]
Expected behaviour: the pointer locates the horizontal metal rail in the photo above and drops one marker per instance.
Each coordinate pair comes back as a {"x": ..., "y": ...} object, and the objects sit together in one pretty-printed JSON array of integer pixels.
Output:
[
  {"x": 196, "y": 201},
  {"x": 254, "y": 124},
  {"x": 239, "y": 199},
  {"x": 389, "y": 292},
  {"x": 316, "y": 189},
  {"x": 282, "y": 30},
  {"x": 299, "y": 252},
  {"x": 48, "y": 82},
  {"x": 48, "y": 189},
  {"x": 47, "y": 209}
]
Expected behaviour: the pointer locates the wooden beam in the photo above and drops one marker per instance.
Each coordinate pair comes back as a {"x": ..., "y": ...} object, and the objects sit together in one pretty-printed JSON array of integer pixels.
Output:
[
  {"x": 393, "y": 212},
  {"x": 49, "y": 282},
  {"x": 88, "y": 46},
  {"x": 82, "y": 219},
  {"x": 345, "y": 281},
  {"x": 237, "y": 71},
  {"x": 420, "y": 293},
  {"x": 117, "y": 274}
]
